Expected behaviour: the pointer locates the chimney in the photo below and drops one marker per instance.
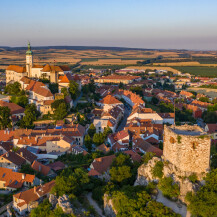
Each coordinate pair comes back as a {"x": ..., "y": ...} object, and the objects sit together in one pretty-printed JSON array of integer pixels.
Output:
[
  {"x": 35, "y": 189},
  {"x": 21, "y": 153},
  {"x": 23, "y": 176}
]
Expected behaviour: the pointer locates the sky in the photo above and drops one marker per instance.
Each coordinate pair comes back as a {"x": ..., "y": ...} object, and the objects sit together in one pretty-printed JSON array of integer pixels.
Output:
[{"x": 153, "y": 24}]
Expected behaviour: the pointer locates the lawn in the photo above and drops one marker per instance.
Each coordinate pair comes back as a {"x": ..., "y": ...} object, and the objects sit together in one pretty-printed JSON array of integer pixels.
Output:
[{"x": 198, "y": 70}]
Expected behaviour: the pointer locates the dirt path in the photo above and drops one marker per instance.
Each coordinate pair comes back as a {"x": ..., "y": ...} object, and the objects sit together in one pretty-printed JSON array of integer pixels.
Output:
[{"x": 95, "y": 205}]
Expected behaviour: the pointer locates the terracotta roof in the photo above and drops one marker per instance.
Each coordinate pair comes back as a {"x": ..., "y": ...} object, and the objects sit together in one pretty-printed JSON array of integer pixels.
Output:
[
  {"x": 7, "y": 146},
  {"x": 14, "y": 108},
  {"x": 133, "y": 155},
  {"x": 185, "y": 93},
  {"x": 14, "y": 179},
  {"x": 103, "y": 148},
  {"x": 120, "y": 135},
  {"x": 27, "y": 155},
  {"x": 25, "y": 80},
  {"x": 39, "y": 88},
  {"x": 145, "y": 146},
  {"x": 35, "y": 193},
  {"x": 109, "y": 99},
  {"x": 67, "y": 78},
  {"x": 212, "y": 128},
  {"x": 37, "y": 66},
  {"x": 57, "y": 165},
  {"x": 41, "y": 168},
  {"x": 51, "y": 68},
  {"x": 18, "y": 69},
  {"x": 14, "y": 158},
  {"x": 65, "y": 68},
  {"x": 102, "y": 164},
  {"x": 48, "y": 102}
]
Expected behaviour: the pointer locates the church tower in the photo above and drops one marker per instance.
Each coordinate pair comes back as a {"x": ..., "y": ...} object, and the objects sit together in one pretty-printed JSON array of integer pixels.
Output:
[{"x": 29, "y": 61}]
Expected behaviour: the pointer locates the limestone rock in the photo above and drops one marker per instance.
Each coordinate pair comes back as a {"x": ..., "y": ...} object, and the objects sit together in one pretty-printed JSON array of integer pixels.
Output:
[
  {"x": 108, "y": 207},
  {"x": 65, "y": 204},
  {"x": 53, "y": 200}
]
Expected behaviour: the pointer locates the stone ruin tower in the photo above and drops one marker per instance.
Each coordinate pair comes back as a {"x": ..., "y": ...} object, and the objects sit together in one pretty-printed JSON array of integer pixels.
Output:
[{"x": 187, "y": 148}]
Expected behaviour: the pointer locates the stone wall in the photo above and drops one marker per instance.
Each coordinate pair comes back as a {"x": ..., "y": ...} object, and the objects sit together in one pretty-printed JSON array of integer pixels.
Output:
[{"x": 188, "y": 153}]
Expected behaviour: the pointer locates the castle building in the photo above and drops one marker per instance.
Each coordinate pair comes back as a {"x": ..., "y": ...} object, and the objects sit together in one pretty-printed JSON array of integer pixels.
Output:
[
  {"x": 187, "y": 148},
  {"x": 51, "y": 72}
]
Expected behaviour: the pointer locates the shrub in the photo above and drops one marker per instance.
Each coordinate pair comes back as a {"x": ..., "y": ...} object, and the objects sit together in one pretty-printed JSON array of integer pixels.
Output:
[
  {"x": 193, "y": 178},
  {"x": 179, "y": 139},
  {"x": 168, "y": 188},
  {"x": 157, "y": 170}
]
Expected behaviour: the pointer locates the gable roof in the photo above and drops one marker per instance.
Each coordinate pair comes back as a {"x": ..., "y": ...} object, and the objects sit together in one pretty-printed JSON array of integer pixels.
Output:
[
  {"x": 41, "y": 168},
  {"x": 35, "y": 193},
  {"x": 66, "y": 78},
  {"x": 212, "y": 128},
  {"x": 14, "y": 108},
  {"x": 18, "y": 69},
  {"x": 58, "y": 165},
  {"x": 27, "y": 155},
  {"x": 109, "y": 99},
  {"x": 14, "y": 179},
  {"x": 14, "y": 158}
]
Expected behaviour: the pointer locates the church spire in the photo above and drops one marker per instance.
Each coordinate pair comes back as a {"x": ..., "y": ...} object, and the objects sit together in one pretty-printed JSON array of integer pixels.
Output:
[{"x": 29, "y": 52}]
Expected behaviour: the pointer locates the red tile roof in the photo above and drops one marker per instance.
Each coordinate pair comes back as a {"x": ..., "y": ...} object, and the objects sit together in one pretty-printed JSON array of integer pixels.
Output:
[
  {"x": 109, "y": 99},
  {"x": 41, "y": 168},
  {"x": 18, "y": 69},
  {"x": 14, "y": 158},
  {"x": 14, "y": 108}
]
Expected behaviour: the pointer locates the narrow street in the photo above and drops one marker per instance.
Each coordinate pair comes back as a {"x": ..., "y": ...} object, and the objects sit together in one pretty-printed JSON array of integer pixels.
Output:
[
  {"x": 95, "y": 205},
  {"x": 127, "y": 111}
]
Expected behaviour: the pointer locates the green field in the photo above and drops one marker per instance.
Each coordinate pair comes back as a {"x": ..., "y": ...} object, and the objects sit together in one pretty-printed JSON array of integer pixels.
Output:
[{"x": 198, "y": 70}]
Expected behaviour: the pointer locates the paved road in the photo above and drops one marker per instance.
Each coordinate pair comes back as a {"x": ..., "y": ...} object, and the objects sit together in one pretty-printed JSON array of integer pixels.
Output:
[
  {"x": 95, "y": 205},
  {"x": 127, "y": 111}
]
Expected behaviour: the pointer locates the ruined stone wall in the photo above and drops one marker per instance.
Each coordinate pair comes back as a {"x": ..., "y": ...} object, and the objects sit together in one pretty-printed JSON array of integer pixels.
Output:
[{"x": 190, "y": 154}]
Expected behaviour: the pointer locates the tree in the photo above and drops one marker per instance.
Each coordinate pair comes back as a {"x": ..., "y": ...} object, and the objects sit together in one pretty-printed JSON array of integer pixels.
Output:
[
  {"x": 88, "y": 142},
  {"x": 205, "y": 198},
  {"x": 65, "y": 92},
  {"x": 61, "y": 111},
  {"x": 73, "y": 89},
  {"x": 154, "y": 100},
  {"x": 92, "y": 130},
  {"x": 56, "y": 103},
  {"x": 20, "y": 100},
  {"x": 120, "y": 173},
  {"x": 53, "y": 88},
  {"x": 5, "y": 117},
  {"x": 98, "y": 139},
  {"x": 209, "y": 117},
  {"x": 157, "y": 170},
  {"x": 107, "y": 131},
  {"x": 31, "y": 115},
  {"x": 168, "y": 187},
  {"x": 148, "y": 156},
  {"x": 13, "y": 89}
]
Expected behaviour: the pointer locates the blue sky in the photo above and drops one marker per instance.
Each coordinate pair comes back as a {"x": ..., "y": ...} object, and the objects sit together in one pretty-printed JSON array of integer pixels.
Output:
[{"x": 184, "y": 24}]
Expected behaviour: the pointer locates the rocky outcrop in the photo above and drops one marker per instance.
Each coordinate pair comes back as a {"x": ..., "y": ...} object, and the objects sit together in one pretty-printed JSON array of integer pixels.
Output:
[
  {"x": 65, "y": 204},
  {"x": 145, "y": 172},
  {"x": 53, "y": 200},
  {"x": 108, "y": 207}
]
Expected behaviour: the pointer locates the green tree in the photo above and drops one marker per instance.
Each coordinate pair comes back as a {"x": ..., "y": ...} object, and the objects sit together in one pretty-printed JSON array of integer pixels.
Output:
[
  {"x": 65, "y": 92},
  {"x": 205, "y": 198},
  {"x": 53, "y": 87},
  {"x": 168, "y": 187},
  {"x": 98, "y": 139},
  {"x": 154, "y": 100},
  {"x": 61, "y": 111},
  {"x": 31, "y": 115},
  {"x": 88, "y": 142},
  {"x": 120, "y": 173},
  {"x": 13, "y": 89},
  {"x": 5, "y": 117},
  {"x": 107, "y": 131},
  {"x": 73, "y": 89},
  {"x": 157, "y": 170},
  {"x": 148, "y": 156},
  {"x": 92, "y": 130},
  {"x": 22, "y": 101}
]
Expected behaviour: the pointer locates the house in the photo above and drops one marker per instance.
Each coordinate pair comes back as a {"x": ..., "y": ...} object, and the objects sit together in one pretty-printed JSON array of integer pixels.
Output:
[
  {"x": 186, "y": 94},
  {"x": 212, "y": 129},
  {"x": 57, "y": 166},
  {"x": 17, "y": 112},
  {"x": 28, "y": 156},
  {"x": 11, "y": 160},
  {"x": 43, "y": 169},
  {"x": 38, "y": 93},
  {"x": 11, "y": 181},
  {"x": 103, "y": 148},
  {"x": 202, "y": 105},
  {"x": 61, "y": 145},
  {"x": 45, "y": 107},
  {"x": 168, "y": 118},
  {"x": 15, "y": 73},
  {"x": 100, "y": 167},
  {"x": 125, "y": 79},
  {"x": 24, "y": 81},
  {"x": 142, "y": 146},
  {"x": 76, "y": 149},
  {"x": 134, "y": 156},
  {"x": 119, "y": 141},
  {"x": 27, "y": 200},
  {"x": 5, "y": 147},
  {"x": 109, "y": 102}
]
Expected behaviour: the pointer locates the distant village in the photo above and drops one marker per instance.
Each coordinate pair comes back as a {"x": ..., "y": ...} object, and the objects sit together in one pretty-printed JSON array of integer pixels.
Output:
[{"x": 129, "y": 127}]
